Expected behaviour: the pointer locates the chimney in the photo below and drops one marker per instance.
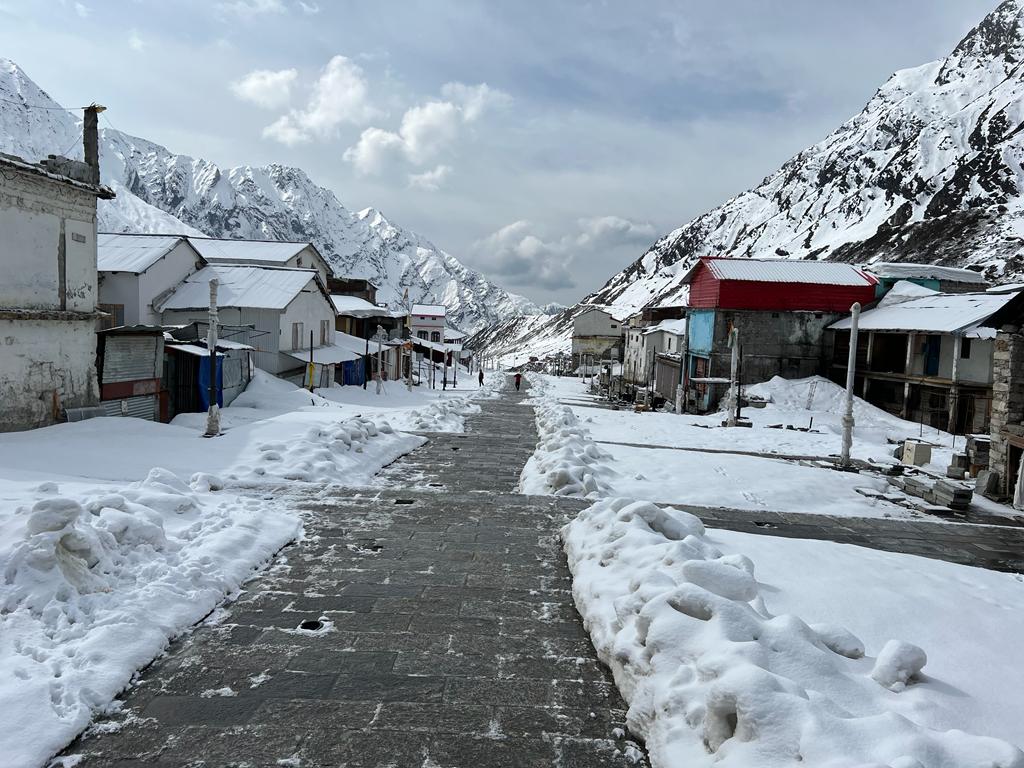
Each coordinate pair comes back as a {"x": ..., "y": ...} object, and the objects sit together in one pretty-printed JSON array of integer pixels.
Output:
[{"x": 91, "y": 138}]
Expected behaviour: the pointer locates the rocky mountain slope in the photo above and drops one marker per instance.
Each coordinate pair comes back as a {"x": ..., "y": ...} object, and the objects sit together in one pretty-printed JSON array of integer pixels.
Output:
[
  {"x": 929, "y": 171},
  {"x": 160, "y": 191}
]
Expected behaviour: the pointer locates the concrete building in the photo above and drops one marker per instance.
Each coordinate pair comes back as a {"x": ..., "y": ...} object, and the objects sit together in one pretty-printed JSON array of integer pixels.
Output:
[
  {"x": 1006, "y": 428},
  {"x": 780, "y": 309},
  {"x": 48, "y": 297},
  {"x": 638, "y": 352},
  {"x": 597, "y": 334},
  {"x": 264, "y": 253},
  {"x": 283, "y": 307},
  {"x": 136, "y": 270},
  {"x": 427, "y": 321},
  {"x": 931, "y": 276},
  {"x": 926, "y": 358}
]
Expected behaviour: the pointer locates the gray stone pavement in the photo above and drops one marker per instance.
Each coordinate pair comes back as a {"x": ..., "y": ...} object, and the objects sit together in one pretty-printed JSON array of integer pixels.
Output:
[{"x": 449, "y": 635}]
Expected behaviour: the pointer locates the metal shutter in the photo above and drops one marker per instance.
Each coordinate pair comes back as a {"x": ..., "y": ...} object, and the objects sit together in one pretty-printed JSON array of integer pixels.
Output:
[{"x": 129, "y": 358}]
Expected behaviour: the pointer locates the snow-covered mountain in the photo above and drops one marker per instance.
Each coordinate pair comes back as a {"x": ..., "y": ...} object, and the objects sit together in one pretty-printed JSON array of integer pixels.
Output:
[
  {"x": 160, "y": 191},
  {"x": 929, "y": 171}
]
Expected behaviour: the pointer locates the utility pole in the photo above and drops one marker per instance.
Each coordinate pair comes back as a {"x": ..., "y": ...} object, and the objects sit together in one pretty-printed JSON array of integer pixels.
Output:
[
  {"x": 380, "y": 338},
  {"x": 213, "y": 411},
  {"x": 734, "y": 384},
  {"x": 684, "y": 351},
  {"x": 851, "y": 368}
]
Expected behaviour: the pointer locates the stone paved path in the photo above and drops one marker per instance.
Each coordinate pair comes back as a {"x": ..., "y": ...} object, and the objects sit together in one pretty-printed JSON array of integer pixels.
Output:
[{"x": 450, "y": 636}]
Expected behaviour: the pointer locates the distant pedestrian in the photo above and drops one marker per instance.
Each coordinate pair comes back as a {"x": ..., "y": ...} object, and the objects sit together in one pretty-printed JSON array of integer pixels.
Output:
[
  {"x": 480, "y": 378},
  {"x": 519, "y": 380}
]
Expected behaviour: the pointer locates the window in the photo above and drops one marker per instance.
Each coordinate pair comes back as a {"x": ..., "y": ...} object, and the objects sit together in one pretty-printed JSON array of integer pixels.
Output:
[
  {"x": 323, "y": 332},
  {"x": 614, "y": 325},
  {"x": 965, "y": 349},
  {"x": 115, "y": 316},
  {"x": 435, "y": 336},
  {"x": 298, "y": 262},
  {"x": 421, "y": 335},
  {"x": 296, "y": 336}
]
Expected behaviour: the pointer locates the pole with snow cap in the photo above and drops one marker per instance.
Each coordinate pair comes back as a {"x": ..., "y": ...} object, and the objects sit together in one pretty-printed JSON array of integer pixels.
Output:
[
  {"x": 851, "y": 369},
  {"x": 734, "y": 382},
  {"x": 213, "y": 411}
]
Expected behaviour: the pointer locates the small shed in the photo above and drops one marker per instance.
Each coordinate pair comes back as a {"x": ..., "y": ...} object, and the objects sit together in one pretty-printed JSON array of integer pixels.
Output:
[
  {"x": 187, "y": 378},
  {"x": 235, "y": 343},
  {"x": 130, "y": 365}
]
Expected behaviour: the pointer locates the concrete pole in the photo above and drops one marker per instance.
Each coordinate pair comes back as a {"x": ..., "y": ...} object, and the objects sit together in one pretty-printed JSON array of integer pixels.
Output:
[
  {"x": 734, "y": 383},
  {"x": 851, "y": 370},
  {"x": 213, "y": 411},
  {"x": 380, "y": 358},
  {"x": 954, "y": 390}
]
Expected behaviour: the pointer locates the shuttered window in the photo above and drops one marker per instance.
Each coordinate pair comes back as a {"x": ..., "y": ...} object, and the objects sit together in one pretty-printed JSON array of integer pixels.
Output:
[{"x": 296, "y": 336}]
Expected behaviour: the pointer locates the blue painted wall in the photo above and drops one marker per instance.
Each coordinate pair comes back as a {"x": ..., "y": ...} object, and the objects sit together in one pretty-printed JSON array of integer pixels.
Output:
[{"x": 700, "y": 330}]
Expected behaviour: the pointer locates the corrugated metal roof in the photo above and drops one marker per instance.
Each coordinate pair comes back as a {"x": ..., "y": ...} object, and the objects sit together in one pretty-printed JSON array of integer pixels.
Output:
[
  {"x": 330, "y": 354},
  {"x": 938, "y": 313},
  {"x": 355, "y": 306},
  {"x": 904, "y": 270},
  {"x": 786, "y": 271},
  {"x": 132, "y": 253},
  {"x": 677, "y": 327},
  {"x": 430, "y": 310},
  {"x": 266, "y": 251},
  {"x": 240, "y": 286}
]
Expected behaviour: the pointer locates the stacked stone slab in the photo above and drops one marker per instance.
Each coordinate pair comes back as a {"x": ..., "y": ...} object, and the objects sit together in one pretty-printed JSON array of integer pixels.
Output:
[{"x": 1007, "y": 402}]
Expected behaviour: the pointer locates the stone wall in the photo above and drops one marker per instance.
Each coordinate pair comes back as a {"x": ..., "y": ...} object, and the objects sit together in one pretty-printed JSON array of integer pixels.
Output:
[{"x": 1007, "y": 402}]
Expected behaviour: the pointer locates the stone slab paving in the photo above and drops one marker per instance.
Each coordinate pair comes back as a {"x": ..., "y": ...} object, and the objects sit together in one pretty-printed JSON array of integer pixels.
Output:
[{"x": 449, "y": 636}]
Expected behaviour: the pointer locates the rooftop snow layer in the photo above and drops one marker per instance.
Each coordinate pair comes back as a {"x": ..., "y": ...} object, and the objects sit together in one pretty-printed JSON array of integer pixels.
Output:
[
  {"x": 938, "y": 313},
  {"x": 905, "y": 270},
  {"x": 783, "y": 271},
  {"x": 428, "y": 310},
  {"x": 131, "y": 253},
  {"x": 329, "y": 354},
  {"x": 265, "y": 251},
  {"x": 354, "y": 306},
  {"x": 240, "y": 286},
  {"x": 677, "y": 327}
]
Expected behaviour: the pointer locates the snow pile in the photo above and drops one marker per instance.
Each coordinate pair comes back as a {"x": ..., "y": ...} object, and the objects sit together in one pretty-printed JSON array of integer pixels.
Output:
[
  {"x": 349, "y": 451},
  {"x": 567, "y": 461},
  {"x": 96, "y": 583},
  {"x": 713, "y": 678},
  {"x": 443, "y": 415}
]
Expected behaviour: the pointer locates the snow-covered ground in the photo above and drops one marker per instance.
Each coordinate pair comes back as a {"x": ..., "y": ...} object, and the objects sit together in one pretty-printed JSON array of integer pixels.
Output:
[
  {"x": 118, "y": 534},
  {"x": 657, "y": 473},
  {"x": 821, "y": 654},
  {"x": 745, "y": 650}
]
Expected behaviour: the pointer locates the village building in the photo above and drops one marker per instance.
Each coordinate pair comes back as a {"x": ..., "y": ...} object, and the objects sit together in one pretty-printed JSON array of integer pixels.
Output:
[
  {"x": 638, "y": 351},
  {"x": 779, "y": 308},
  {"x": 136, "y": 270},
  {"x": 186, "y": 377},
  {"x": 130, "y": 367},
  {"x": 931, "y": 276},
  {"x": 667, "y": 342},
  {"x": 289, "y": 311},
  {"x": 926, "y": 356},
  {"x": 427, "y": 322},
  {"x": 48, "y": 296},
  {"x": 352, "y": 286},
  {"x": 597, "y": 334},
  {"x": 1006, "y": 430},
  {"x": 265, "y": 253},
  {"x": 359, "y": 317}
]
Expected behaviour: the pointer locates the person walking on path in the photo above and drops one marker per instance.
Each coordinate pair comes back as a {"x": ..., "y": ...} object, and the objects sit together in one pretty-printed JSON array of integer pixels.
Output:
[
  {"x": 480, "y": 378},
  {"x": 519, "y": 380}
]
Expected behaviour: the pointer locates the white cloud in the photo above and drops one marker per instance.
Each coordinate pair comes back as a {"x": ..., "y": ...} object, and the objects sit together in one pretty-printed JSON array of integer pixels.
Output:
[
  {"x": 250, "y": 9},
  {"x": 340, "y": 95},
  {"x": 430, "y": 181},
  {"x": 135, "y": 42},
  {"x": 474, "y": 100},
  {"x": 82, "y": 10},
  {"x": 310, "y": 9},
  {"x": 426, "y": 131},
  {"x": 524, "y": 258},
  {"x": 266, "y": 88},
  {"x": 374, "y": 151}
]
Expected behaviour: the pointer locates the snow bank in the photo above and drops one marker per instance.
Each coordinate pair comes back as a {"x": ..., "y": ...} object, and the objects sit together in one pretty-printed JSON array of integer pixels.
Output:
[
  {"x": 99, "y": 582},
  {"x": 443, "y": 415},
  {"x": 567, "y": 461},
  {"x": 713, "y": 678}
]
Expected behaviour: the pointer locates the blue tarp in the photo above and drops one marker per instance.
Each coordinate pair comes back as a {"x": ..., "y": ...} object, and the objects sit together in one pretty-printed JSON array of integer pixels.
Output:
[
  {"x": 353, "y": 372},
  {"x": 204, "y": 382}
]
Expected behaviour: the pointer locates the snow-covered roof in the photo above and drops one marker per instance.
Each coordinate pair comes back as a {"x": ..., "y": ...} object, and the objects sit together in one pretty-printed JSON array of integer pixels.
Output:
[
  {"x": 615, "y": 313},
  {"x": 240, "y": 286},
  {"x": 131, "y": 253},
  {"x": 428, "y": 310},
  {"x": 329, "y": 354},
  {"x": 263, "y": 251},
  {"x": 937, "y": 313},
  {"x": 905, "y": 270},
  {"x": 677, "y": 327},
  {"x": 904, "y": 290},
  {"x": 783, "y": 271},
  {"x": 192, "y": 349},
  {"x": 451, "y": 333},
  {"x": 355, "y": 306},
  {"x": 354, "y": 343}
]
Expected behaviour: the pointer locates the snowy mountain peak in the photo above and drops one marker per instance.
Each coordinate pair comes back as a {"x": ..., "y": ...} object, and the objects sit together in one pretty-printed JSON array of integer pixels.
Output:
[
  {"x": 998, "y": 39},
  {"x": 160, "y": 191}
]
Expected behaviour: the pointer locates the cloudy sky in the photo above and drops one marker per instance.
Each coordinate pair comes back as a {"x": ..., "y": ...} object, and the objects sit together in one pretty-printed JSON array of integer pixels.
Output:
[{"x": 546, "y": 143}]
